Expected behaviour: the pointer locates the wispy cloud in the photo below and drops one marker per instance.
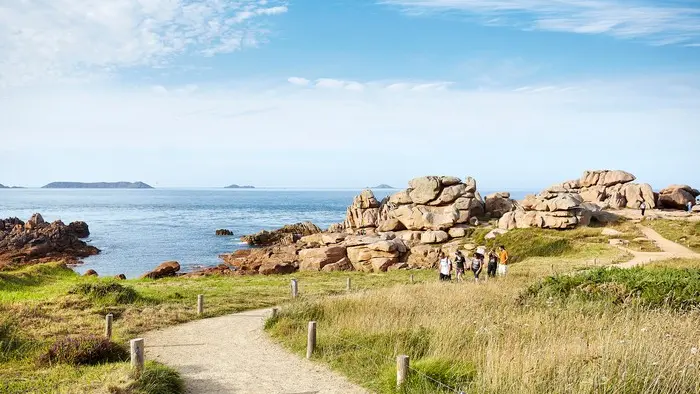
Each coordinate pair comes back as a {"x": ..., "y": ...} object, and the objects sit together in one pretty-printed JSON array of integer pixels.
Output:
[
  {"x": 298, "y": 81},
  {"x": 68, "y": 38},
  {"x": 660, "y": 22},
  {"x": 331, "y": 83}
]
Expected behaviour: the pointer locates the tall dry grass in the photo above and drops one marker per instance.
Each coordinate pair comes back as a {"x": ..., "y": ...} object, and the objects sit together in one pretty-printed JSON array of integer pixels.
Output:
[{"x": 514, "y": 347}]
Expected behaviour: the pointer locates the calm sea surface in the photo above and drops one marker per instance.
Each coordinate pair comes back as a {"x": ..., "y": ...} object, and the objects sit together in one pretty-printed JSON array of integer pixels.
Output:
[{"x": 138, "y": 229}]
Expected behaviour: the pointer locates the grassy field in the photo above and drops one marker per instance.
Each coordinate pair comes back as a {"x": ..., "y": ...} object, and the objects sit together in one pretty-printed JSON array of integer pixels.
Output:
[
  {"x": 686, "y": 233},
  {"x": 540, "y": 329},
  {"x": 45, "y": 303}
]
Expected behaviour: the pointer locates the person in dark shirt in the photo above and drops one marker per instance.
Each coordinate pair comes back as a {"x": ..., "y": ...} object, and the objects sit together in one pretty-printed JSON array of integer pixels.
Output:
[
  {"x": 492, "y": 265},
  {"x": 459, "y": 263}
]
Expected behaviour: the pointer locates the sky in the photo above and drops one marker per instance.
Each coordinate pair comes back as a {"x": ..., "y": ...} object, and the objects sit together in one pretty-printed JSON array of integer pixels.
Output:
[{"x": 519, "y": 94}]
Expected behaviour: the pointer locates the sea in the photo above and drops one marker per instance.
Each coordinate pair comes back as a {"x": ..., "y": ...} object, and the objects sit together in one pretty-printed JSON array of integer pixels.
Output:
[{"x": 137, "y": 229}]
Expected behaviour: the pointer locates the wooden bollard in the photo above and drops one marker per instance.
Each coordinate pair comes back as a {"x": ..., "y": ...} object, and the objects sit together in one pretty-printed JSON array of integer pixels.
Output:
[
  {"x": 108, "y": 325},
  {"x": 412, "y": 281},
  {"x": 295, "y": 288},
  {"x": 137, "y": 356},
  {"x": 275, "y": 312},
  {"x": 200, "y": 304},
  {"x": 348, "y": 285},
  {"x": 311, "y": 340},
  {"x": 401, "y": 370}
]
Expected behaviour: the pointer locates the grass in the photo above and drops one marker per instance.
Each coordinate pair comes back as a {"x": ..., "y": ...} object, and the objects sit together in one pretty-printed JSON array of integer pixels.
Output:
[
  {"x": 495, "y": 343},
  {"x": 686, "y": 233}
]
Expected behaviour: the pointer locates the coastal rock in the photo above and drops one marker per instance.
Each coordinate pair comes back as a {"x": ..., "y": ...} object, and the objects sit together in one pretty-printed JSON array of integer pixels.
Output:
[
  {"x": 446, "y": 181},
  {"x": 424, "y": 189},
  {"x": 166, "y": 269},
  {"x": 276, "y": 268},
  {"x": 332, "y": 238},
  {"x": 424, "y": 256},
  {"x": 678, "y": 197},
  {"x": 38, "y": 241},
  {"x": 120, "y": 277},
  {"x": 391, "y": 224},
  {"x": 449, "y": 195},
  {"x": 224, "y": 232},
  {"x": 343, "y": 265},
  {"x": 316, "y": 259},
  {"x": 401, "y": 198},
  {"x": 285, "y": 235},
  {"x": 457, "y": 232},
  {"x": 336, "y": 228},
  {"x": 498, "y": 204},
  {"x": 495, "y": 233},
  {"x": 434, "y": 237},
  {"x": 90, "y": 273},
  {"x": 422, "y": 217},
  {"x": 471, "y": 184},
  {"x": 251, "y": 261}
]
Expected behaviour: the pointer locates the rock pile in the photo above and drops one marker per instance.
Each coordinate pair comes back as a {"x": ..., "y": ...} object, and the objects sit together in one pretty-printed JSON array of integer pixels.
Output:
[
  {"x": 678, "y": 197},
  {"x": 38, "y": 241},
  {"x": 224, "y": 232},
  {"x": 607, "y": 189},
  {"x": 548, "y": 210},
  {"x": 164, "y": 270},
  {"x": 286, "y": 235}
]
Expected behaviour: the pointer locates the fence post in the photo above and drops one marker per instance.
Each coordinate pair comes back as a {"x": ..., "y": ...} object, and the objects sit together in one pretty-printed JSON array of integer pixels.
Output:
[
  {"x": 311, "y": 340},
  {"x": 200, "y": 304},
  {"x": 349, "y": 284},
  {"x": 137, "y": 356},
  {"x": 108, "y": 325},
  {"x": 412, "y": 279},
  {"x": 295, "y": 288},
  {"x": 275, "y": 311},
  {"x": 401, "y": 370}
]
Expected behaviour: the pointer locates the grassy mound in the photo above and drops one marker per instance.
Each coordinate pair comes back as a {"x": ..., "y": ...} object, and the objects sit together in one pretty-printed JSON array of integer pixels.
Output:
[
  {"x": 11, "y": 342},
  {"x": 106, "y": 293},
  {"x": 158, "y": 379},
  {"x": 655, "y": 287},
  {"x": 524, "y": 243},
  {"x": 84, "y": 350}
]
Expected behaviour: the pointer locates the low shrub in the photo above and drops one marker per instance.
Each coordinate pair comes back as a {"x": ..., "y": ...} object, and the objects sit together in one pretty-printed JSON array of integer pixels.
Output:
[
  {"x": 10, "y": 340},
  {"x": 86, "y": 350},
  {"x": 106, "y": 293},
  {"x": 653, "y": 287},
  {"x": 158, "y": 379}
]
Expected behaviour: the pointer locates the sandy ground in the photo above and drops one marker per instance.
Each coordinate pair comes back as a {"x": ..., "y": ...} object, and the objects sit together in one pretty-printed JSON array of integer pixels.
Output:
[
  {"x": 670, "y": 250},
  {"x": 232, "y": 354}
]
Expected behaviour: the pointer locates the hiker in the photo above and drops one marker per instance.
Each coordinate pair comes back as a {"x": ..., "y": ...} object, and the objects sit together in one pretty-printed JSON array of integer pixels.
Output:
[
  {"x": 643, "y": 207},
  {"x": 493, "y": 264},
  {"x": 459, "y": 263},
  {"x": 445, "y": 268},
  {"x": 503, "y": 260},
  {"x": 477, "y": 264},
  {"x": 690, "y": 206}
]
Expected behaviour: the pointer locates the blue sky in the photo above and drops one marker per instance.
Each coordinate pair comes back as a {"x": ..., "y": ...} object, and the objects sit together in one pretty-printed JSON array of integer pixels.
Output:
[{"x": 341, "y": 93}]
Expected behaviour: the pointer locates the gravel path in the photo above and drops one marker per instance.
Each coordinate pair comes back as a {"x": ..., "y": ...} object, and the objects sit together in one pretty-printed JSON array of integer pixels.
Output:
[
  {"x": 232, "y": 354},
  {"x": 670, "y": 250}
]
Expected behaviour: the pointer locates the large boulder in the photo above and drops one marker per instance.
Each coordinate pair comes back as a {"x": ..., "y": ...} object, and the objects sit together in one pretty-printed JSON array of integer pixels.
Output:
[
  {"x": 678, "y": 197},
  {"x": 286, "y": 235},
  {"x": 424, "y": 256},
  {"x": 424, "y": 189},
  {"x": 498, "y": 204},
  {"x": 316, "y": 259},
  {"x": 80, "y": 229},
  {"x": 434, "y": 237},
  {"x": 422, "y": 217},
  {"x": 391, "y": 224},
  {"x": 343, "y": 265},
  {"x": 276, "y": 267},
  {"x": 401, "y": 198},
  {"x": 449, "y": 194},
  {"x": 164, "y": 270}
]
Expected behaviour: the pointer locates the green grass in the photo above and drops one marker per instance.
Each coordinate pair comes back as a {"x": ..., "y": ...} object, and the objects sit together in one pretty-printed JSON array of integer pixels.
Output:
[
  {"x": 686, "y": 233},
  {"x": 650, "y": 287}
]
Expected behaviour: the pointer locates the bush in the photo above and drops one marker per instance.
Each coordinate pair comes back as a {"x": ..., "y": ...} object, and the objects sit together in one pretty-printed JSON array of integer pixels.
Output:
[
  {"x": 106, "y": 293},
  {"x": 159, "y": 379},
  {"x": 87, "y": 350},
  {"x": 652, "y": 287},
  {"x": 10, "y": 341}
]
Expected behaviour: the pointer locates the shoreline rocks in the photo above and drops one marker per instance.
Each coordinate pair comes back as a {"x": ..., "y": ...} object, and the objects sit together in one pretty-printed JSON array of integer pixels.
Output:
[
  {"x": 286, "y": 235},
  {"x": 163, "y": 270},
  {"x": 678, "y": 197},
  {"x": 37, "y": 241}
]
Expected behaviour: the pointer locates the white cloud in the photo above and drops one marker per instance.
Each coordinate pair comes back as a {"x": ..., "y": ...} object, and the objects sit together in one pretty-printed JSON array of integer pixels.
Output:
[
  {"x": 330, "y": 83},
  {"x": 660, "y": 23},
  {"x": 336, "y": 137},
  {"x": 298, "y": 81},
  {"x": 52, "y": 39}
]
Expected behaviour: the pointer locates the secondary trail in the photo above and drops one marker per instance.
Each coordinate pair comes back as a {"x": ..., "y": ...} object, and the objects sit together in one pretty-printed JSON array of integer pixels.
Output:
[
  {"x": 232, "y": 354},
  {"x": 670, "y": 250}
]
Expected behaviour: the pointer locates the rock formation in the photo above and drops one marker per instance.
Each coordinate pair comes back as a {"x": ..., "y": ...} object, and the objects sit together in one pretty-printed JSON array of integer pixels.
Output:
[
  {"x": 547, "y": 210},
  {"x": 498, "y": 204},
  {"x": 37, "y": 241},
  {"x": 678, "y": 197},
  {"x": 164, "y": 270},
  {"x": 286, "y": 235},
  {"x": 224, "y": 232}
]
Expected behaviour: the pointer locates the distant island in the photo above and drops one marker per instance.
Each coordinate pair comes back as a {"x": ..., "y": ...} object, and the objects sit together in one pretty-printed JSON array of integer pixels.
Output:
[
  {"x": 97, "y": 185},
  {"x": 234, "y": 186},
  {"x": 382, "y": 186},
  {"x": 10, "y": 187}
]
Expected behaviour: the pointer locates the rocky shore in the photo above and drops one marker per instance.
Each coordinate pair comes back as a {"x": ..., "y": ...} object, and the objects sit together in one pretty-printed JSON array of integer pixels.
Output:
[{"x": 37, "y": 241}]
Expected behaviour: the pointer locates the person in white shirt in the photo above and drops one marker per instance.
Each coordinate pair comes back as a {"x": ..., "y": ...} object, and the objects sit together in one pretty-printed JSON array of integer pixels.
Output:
[{"x": 445, "y": 267}]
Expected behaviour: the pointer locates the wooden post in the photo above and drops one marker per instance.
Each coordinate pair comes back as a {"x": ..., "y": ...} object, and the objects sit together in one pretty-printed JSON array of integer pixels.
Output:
[
  {"x": 311, "y": 340},
  {"x": 137, "y": 356},
  {"x": 401, "y": 370},
  {"x": 108, "y": 325},
  {"x": 349, "y": 284},
  {"x": 412, "y": 281},
  {"x": 275, "y": 312},
  {"x": 295, "y": 288},
  {"x": 200, "y": 304}
]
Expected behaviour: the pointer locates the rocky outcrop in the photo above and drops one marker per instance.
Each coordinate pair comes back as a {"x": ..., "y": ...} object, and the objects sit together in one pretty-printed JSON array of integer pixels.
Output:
[
  {"x": 608, "y": 189},
  {"x": 274, "y": 259},
  {"x": 498, "y": 204},
  {"x": 37, "y": 241},
  {"x": 678, "y": 197},
  {"x": 90, "y": 273},
  {"x": 224, "y": 232},
  {"x": 286, "y": 235},
  {"x": 164, "y": 270},
  {"x": 547, "y": 210},
  {"x": 317, "y": 258}
]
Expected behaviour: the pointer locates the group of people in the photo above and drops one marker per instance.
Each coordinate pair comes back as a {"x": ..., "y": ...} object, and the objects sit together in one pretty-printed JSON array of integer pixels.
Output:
[{"x": 497, "y": 262}]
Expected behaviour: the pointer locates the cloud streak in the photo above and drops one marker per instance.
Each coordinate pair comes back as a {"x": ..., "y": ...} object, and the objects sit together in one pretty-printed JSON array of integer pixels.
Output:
[
  {"x": 54, "y": 39},
  {"x": 659, "y": 22},
  {"x": 340, "y": 84}
]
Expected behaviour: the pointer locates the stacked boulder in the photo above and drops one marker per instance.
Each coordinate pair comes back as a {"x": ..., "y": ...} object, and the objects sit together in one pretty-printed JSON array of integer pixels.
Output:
[
  {"x": 286, "y": 235},
  {"x": 607, "y": 189},
  {"x": 678, "y": 197},
  {"x": 547, "y": 210}
]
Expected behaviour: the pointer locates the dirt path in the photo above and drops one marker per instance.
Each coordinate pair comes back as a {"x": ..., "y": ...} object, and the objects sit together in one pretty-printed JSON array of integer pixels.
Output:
[
  {"x": 232, "y": 354},
  {"x": 670, "y": 250}
]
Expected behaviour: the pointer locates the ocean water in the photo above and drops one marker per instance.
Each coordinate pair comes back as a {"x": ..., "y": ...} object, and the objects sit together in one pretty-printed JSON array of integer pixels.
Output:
[{"x": 138, "y": 229}]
